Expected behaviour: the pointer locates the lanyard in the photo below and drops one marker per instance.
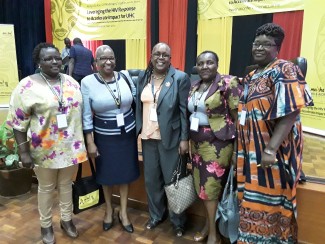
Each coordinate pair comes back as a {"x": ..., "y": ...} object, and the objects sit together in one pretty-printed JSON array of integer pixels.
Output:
[
  {"x": 60, "y": 95},
  {"x": 197, "y": 99},
  {"x": 246, "y": 91},
  {"x": 117, "y": 100},
  {"x": 153, "y": 89}
]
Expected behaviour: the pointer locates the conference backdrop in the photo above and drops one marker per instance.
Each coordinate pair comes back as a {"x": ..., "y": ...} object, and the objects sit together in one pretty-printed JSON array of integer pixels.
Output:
[
  {"x": 98, "y": 20},
  {"x": 182, "y": 24},
  {"x": 313, "y": 48},
  {"x": 210, "y": 9},
  {"x": 8, "y": 64}
]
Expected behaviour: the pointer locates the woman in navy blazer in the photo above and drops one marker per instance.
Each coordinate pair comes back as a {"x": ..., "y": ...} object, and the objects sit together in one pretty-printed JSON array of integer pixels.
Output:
[{"x": 161, "y": 121}]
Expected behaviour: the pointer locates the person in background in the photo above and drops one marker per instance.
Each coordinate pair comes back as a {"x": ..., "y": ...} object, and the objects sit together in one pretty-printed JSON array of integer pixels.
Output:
[
  {"x": 81, "y": 62},
  {"x": 109, "y": 126},
  {"x": 270, "y": 142},
  {"x": 161, "y": 121},
  {"x": 49, "y": 105},
  {"x": 65, "y": 54},
  {"x": 212, "y": 104}
]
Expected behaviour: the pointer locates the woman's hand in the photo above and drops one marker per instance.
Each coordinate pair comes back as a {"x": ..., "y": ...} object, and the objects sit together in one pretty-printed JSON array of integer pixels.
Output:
[
  {"x": 183, "y": 147},
  {"x": 268, "y": 160},
  {"x": 92, "y": 150},
  {"x": 26, "y": 160}
]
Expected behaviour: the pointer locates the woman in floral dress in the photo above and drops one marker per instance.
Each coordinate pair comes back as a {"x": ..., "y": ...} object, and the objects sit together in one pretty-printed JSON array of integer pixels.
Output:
[
  {"x": 49, "y": 106},
  {"x": 213, "y": 104}
]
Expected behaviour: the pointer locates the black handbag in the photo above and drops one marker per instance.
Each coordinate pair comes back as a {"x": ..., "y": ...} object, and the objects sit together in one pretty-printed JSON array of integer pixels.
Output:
[
  {"x": 180, "y": 193},
  {"x": 86, "y": 192}
]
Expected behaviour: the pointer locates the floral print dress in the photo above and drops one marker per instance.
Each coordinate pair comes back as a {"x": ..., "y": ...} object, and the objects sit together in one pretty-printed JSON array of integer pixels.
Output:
[
  {"x": 33, "y": 108},
  {"x": 212, "y": 146}
]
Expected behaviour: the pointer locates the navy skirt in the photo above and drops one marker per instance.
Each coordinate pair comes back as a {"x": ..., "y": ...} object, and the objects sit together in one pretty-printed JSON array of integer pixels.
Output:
[{"x": 118, "y": 160}]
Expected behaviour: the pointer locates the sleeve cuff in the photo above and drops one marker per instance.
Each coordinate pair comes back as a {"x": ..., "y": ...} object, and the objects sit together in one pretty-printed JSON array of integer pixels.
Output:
[{"x": 88, "y": 131}]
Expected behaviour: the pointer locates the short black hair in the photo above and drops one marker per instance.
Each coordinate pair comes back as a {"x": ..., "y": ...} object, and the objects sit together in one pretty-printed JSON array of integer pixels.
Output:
[
  {"x": 274, "y": 30},
  {"x": 77, "y": 40},
  {"x": 38, "y": 48},
  {"x": 210, "y": 52}
]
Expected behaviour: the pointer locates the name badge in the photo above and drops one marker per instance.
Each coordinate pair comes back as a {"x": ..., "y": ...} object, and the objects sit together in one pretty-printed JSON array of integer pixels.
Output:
[
  {"x": 120, "y": 120},
  {"x": 153, "y": 114},
  {"x": 195, "y": 124},
  {"x": 242, "y": 119},
  {"x": 61, "y": 120}
]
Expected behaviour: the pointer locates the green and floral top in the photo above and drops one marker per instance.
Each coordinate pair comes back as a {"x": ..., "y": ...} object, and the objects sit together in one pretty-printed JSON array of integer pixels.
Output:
[
  {"x": 33, "y": 108},
  {"x": 222, "y": 97}
]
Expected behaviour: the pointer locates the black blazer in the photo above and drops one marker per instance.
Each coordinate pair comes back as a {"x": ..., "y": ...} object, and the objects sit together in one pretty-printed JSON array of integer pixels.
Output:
[{"x": 171, "y": 107}]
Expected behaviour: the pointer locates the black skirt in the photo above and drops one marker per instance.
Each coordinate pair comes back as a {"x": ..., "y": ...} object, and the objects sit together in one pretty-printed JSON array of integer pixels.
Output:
[{"x": 118, "y": 160}]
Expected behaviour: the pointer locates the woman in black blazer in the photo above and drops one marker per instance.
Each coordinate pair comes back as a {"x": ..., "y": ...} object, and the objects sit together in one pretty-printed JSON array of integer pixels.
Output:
[{"x": 162, "y": 123}]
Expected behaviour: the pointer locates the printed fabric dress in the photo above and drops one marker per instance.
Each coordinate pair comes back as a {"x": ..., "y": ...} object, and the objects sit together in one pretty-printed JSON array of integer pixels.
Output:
[
  {"x": 33, "y": 106},
  {"x": 268, "y": 197},
  {"x": 212, "y": 146}
]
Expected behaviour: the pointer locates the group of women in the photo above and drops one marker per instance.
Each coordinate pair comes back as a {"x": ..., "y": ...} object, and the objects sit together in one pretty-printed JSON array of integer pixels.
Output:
[{"x": 219, "y": 120}]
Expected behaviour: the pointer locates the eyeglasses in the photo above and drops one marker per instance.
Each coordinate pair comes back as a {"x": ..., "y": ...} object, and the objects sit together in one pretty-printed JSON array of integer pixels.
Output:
[
  {"x": 105, "y": 59},
  {"x": 263, "y": 45},
  {"x": 50, "y": 59},
  {"x": 163, "y": 55}
]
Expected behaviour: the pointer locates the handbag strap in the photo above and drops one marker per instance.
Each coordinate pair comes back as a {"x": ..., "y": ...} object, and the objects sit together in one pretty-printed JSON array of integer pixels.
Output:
[
  {"x": 128, "y": 82},
  {"x": 230, "y": 183},
  {"x": 178, "y": 171},
  {"x": 92, "y": 168}
]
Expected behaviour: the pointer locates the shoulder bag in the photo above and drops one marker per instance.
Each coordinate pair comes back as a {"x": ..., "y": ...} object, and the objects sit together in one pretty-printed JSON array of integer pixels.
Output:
[
  {"x": 86, "y": 193},
  {"x": 228, "y": 211},
  {"x": 180, "y": 193}
]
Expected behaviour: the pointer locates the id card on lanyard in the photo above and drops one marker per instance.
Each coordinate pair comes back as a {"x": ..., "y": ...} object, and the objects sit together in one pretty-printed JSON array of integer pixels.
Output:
[
  {"x": 119, "y": 116},
  {"x": 61, "y": 118},
  {"x": 195, "y": 122},
  {"x": 243, "y": 114},
  {"x": 153, "y": 113},
  {"x": 153, "y": 110}
]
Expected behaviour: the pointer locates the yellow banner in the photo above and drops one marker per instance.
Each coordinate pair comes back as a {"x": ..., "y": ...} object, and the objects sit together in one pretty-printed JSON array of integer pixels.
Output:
[
  {"x": 313, "y": 49},
  {"x": 8, "y": 64},
  {"x": 211, "y": 9},
  {"x": 98, "y": 20}
]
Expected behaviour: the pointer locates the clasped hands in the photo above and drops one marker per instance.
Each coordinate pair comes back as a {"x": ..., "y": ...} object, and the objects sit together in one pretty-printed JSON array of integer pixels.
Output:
[{"x": 268, "y": 159}]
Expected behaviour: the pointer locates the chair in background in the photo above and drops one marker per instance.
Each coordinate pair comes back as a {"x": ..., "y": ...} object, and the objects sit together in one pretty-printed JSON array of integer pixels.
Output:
[
  {"x": 134, "y": 73},
  {"x": 194, "y": 75},
  {"x": 301, "y": 62}
]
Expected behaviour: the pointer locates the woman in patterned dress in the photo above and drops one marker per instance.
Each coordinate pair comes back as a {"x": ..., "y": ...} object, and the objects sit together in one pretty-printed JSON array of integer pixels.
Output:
[
  {"x": 213, "y": 104},
  {"x": 270, "y": 143},
  {"x": 49, "y": 105}
]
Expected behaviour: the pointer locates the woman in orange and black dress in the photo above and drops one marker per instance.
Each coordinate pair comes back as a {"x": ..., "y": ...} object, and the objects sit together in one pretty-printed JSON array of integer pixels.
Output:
[{"x": 270, "y": 143}]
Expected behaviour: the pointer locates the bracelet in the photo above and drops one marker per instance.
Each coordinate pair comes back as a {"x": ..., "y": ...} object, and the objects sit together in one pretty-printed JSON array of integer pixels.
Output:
[
  {"x": 269, "y": 152},
  {"x": 22, "y": 143}
]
